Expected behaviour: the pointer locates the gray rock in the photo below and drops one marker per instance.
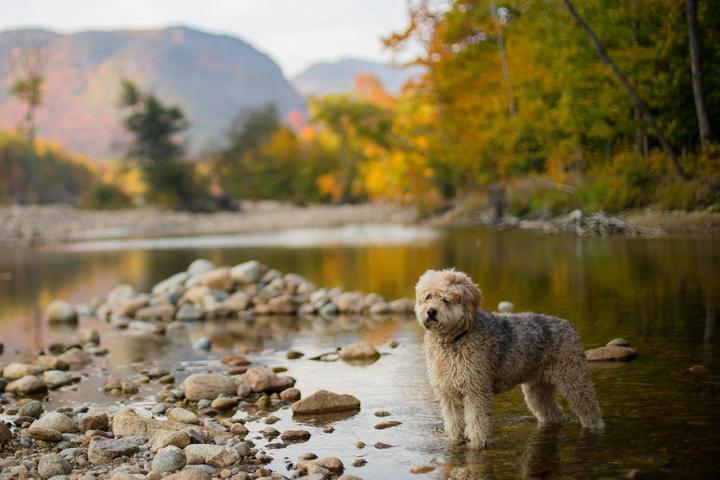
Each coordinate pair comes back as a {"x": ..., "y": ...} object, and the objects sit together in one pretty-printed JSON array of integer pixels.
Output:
[
  {"x": 60, "y": 312},
  {"x": 32, "y": 408},
  {"x": 248, "y": 272},
  {"x": 199, "y": 266},
  {"x": 53, "y": 464},
  {"x": 58, "y": 378},
  {"x": 57, "y": 421},
  {"x": 329, "y": 309},
  {"x": 170, "y": 284},
  {"x": 169, "y": 459},
  {"x": 105, "y": 450},
  {"x": 202, "y": 343},
  {"x": 189, "y": 313}
]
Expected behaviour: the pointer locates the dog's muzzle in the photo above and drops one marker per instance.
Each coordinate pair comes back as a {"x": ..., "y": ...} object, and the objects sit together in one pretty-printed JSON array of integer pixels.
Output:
[{"x": 431, "y": 317}]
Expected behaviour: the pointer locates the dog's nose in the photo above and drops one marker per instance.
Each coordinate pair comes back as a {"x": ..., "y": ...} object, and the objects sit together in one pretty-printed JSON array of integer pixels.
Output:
[{"x": 432, "y": 314}]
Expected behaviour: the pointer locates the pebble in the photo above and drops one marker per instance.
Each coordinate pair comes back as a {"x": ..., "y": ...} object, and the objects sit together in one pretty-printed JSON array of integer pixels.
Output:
[
  {"x": 105, "y": 450},
  {"x": 56, "y": 421},
  {"x": 422, "y": 469},
  {"x": 32, "y": 408},
  {"x": 93, "y": 421},
  {"x": 295, "y": 436},
  {"x": 387, "y": 424},
  {"x": 183, "y": 416},
  {"x": 44, "y": 434},
  {"x": 359, "y": 462},
  {"x": 359, "y": 352},
  {"x": 294, "y": 354},
  {"x": 382, "y": 413}
]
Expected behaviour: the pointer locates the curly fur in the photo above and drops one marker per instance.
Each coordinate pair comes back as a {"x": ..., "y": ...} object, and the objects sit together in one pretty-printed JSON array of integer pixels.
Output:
[{"x": 473, "y": 355}]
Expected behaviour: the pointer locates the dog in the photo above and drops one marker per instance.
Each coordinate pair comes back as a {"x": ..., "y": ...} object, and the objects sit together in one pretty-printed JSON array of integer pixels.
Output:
[{"x": 472, "y": 355}]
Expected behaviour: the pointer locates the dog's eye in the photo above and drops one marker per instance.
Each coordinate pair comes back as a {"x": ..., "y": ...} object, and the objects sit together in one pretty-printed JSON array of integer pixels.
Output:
[
  {"x": 429, "y": 296},
  {"x": 445, "y": 301}
]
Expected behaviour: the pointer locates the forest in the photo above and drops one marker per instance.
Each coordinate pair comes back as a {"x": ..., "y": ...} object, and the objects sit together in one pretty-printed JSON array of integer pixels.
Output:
[{"x": 598, "y": 105}]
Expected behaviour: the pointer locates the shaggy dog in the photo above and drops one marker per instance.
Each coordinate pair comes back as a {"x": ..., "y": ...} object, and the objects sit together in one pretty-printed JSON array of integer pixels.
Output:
[{"x": 472, "y": 355}]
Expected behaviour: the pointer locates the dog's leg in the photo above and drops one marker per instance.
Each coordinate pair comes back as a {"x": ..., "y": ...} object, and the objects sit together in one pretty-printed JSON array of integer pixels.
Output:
[
  {"x": 452, "y": 413},
  {"x": 478, "y": 412},
  {"x": 575, "y": 385},
  {"x": 540, "y": 401}
]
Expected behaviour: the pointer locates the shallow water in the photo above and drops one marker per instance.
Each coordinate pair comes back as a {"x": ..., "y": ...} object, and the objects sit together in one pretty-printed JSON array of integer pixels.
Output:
[{"x": 663, "y": 295}]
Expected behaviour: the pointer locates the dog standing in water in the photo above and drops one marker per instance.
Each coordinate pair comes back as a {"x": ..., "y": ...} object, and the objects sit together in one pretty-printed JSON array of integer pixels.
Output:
[{"x": 473, "y": 355}]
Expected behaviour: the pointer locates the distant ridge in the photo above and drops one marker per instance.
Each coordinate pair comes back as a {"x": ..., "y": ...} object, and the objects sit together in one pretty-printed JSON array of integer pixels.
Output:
[
  {"x": 339, "y": 77},
  {"x": 212, "y": 77}
]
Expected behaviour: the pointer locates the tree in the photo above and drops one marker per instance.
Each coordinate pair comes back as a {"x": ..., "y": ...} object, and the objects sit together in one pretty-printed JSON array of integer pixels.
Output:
[
  {"x": 637, "y": 100},
  {"x": 697, "y": 73},
  {"x": 28, "y": 62},
  {"x": 156, "y": 148}
]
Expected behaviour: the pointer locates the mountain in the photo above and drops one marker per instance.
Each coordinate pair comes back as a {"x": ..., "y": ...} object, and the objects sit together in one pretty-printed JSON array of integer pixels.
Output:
[
  {"x": 211, "y": 77},
  {"x": 339, "y": 77}
]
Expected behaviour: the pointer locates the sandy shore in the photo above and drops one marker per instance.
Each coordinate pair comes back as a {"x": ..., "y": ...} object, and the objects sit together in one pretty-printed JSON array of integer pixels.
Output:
[
  {"x": 53, "y": 224},
  {"x": 50, "y": 224}
]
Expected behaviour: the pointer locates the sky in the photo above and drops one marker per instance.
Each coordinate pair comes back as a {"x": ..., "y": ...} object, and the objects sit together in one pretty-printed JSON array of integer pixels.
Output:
[{"x": 295, "y": 33}]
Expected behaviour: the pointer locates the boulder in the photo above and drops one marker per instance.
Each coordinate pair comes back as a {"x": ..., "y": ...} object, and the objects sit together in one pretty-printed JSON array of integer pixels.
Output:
[
  {"x": 27, "y": 385},
  {"x": 218, "y": 278},
  {"x": 324, "y": 401},
  {"x": 611, "y": 354},
  {"x": 263, "y": 379},
  {"x": 60, "y": 312},
  {"x": 359, "y": 352},
  {"x": 248, "y": 272},
  {"x": 104, "y": 450},
  {"x": 208, "y": 386}
]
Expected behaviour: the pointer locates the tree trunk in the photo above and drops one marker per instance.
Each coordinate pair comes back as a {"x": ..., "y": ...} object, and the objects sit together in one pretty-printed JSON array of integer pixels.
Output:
[
  {"x": 503, "y": 61},
  {"x": 639, "y": 102},
  {"x": 697, "y": 74}
]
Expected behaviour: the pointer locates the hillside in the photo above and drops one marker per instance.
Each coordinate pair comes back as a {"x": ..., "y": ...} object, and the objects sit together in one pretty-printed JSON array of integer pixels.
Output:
[
  {"x": 339, "y": 77},
  {"x": 212, "y": 77}
]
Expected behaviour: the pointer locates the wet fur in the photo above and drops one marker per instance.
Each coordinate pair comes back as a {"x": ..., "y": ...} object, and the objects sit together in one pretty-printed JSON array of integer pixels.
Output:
[{"x": 542, "y": 353}]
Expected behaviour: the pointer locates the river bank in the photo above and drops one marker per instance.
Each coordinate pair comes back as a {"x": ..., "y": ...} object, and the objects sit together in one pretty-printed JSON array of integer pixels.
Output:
[{"x": 56, "y": 224}]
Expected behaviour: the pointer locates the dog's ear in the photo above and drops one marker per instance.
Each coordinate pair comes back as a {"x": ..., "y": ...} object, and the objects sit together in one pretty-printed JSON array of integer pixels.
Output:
[{"x": 469, "y": 292}]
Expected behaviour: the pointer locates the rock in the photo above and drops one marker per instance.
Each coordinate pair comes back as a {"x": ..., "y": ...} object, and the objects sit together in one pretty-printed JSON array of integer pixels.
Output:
[
  {"x": 283, "y": 304},
  {"x": 382, "y": 446},
  {"x": 189, "y": 313},
  {"x": 290, "y": 395},
  {"x": 350, "y": 302},
  {"x": 105, "y": 450},
  {"x": 128, "y": 423},
  {"x": 359, "y": 462},
  {"x": 45, "y": 434},
  {"x": 26, "y": 385},
  {"x": 207, "y": 386},
  {"x": 382, "y": 413},
  {"x": 324, "y": 401},
  {"x": 387, "y": 424},
  {"x": 293, "y": 355},
  {"x": 224, "y": 403},
  {"x": 15, "y": 370},
  {"x": 195, "y": 295},
  {"x": 295, "y": 436},
  {"x": 202, "y": 343},
  {"x": 235, "y": 360},
  {"x": 270, "y": 432},
  {"x": 183, "y": 416},
  {"x": 403, "y": 305},
  {"x": 359, "y": 352},
  {"x": 169, "y": 459},
  {"x": 505, "y": 306},
  {"x": 60, "y": 312},
  {"x": 422, "y": 469},
  {"x": 131, "y": 306},
  {"x": 164, "y": 438},
  {"x": 5, "y": 433},
  {"x": 93, "y": 421},
  {"x": 162, "y": 312},
  {"x": 32, "y": 408},
  {"x": 359, "y": 444},
  {"x": 50, "y": 362},
  {"x": 58, "y": 378},
  {"x": 239, "y": 429},
  {"x": 170, "y": 284},
  {"x": 199, "y": 266},
  {"x": 699, "y": 370},
  {"x": 52, "y": 464},
  {"x": 263, "y": 379},
  {"x": 219, "y": 279},
  {"x": 76, "y": 358},
  {"x": 57, "y": 421},
  {"x": 618, "y": 342},
  {"x": 190, "y": 473},
  {"x": 248, "y": 272},
  {"x": 88, "y": 335},
  {"x": 335, "y": 465},
  {"x": 328, "y": 309},
  {"x": 215, "y": 455},
  {"x": 380, "y": 308},
  {"x": 611, "y": 354},
  {"x": 237, "y": 302}
]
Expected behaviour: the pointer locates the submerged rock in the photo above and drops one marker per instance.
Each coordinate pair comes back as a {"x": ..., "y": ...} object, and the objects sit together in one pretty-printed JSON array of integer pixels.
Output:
[{"x": 324, "y": 401}]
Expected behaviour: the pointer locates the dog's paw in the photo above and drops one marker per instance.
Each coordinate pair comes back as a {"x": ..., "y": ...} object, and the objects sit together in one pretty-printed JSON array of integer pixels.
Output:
[
  {"x": 478, "y": 444},
  {"x": 456, "y": 440}
]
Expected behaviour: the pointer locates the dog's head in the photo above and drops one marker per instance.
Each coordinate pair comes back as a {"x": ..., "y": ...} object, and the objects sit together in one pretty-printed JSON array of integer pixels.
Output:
[{"x": 446, "y": 301}]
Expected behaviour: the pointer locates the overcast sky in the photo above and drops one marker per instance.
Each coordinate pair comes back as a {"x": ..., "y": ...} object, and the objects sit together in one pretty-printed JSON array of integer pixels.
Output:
[{"x": 296, "y": 33}]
